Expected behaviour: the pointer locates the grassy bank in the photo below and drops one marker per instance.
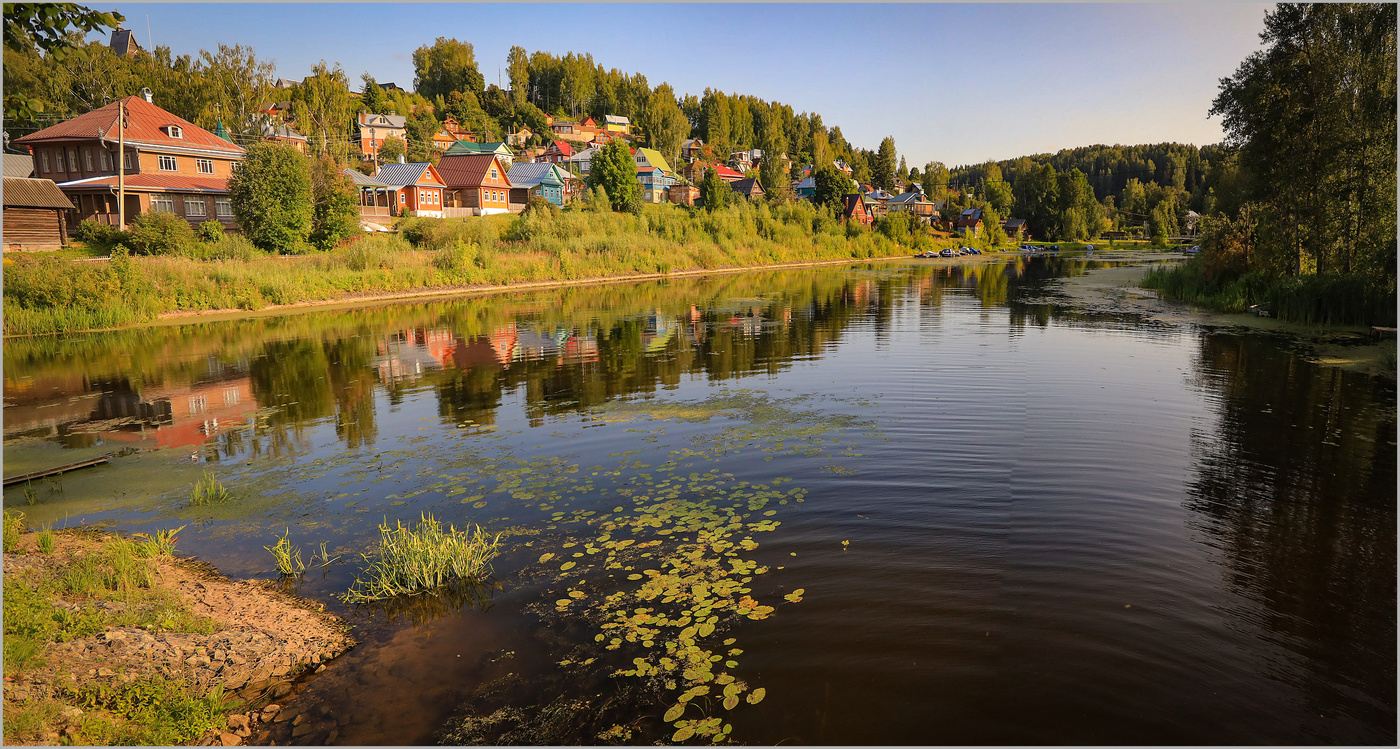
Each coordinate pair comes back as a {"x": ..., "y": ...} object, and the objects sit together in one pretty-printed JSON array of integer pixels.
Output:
[
  {"x": 52, "y": 294},
  {"x": 1310, "y": 300}
]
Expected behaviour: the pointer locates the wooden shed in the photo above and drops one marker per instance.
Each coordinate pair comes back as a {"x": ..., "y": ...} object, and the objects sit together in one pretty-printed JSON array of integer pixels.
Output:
[{"x": 36, "y": 214}]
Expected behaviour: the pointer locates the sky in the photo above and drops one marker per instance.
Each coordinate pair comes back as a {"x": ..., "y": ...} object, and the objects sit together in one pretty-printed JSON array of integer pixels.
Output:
[{"x": 957, "y": 83}]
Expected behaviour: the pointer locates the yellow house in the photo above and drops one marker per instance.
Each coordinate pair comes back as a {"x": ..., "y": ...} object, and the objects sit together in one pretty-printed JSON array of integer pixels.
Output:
[{"x": 616, "y": 124}]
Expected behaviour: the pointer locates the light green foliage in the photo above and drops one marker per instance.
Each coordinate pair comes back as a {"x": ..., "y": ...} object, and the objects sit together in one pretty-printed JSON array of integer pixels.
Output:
[
  {"x": 271, "y": 194},
  {"x": 664, "y": 125},
  {"x": 616, "y": 173},
  {"x": 153, "y": 712},
  {"x": 335, "y": 213},
  {"x": 418, "y": 559},
  {"x": 209, "y": 490},
  {"x": 882, "y": 172},
  {"x": 211, "y": 231},
  {"x": 45, "y": 541},
  {"x": 935, "y": 180},
  {"x": 447, "y": 66},
  {"x": 391, "y": 149},
  {"x": 160, "y": 233},
  {"x": 322, "y": 106},
  {"x": 286, "y": 556},
  {"x": 831, "y": 185},
  {"x": 715, "y": 194},
  {"x": 13, "y": 521},
  {"x": 371, "y": 95}
]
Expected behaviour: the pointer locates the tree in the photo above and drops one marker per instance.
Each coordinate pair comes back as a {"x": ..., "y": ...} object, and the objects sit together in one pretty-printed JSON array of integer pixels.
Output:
[
  {"x": 518, "y": 68},
  {"x": 238, "y": 86},
  {"x": 882, "y": 171},
  {"x": 831, "y": 185},
  {"x": 335, "y": 212},
  {"x": 616, "y": 173},
  {"x": 715, "y": 193},
  {"x": 420, "y": 127},
  {"x": 391, "y": 149},
  {"x": 447, "y": 66},
  {"x": 52, "y": 28},
  {"x": 1040, "y": 199},
  {"x": 271, "y": 194},
  {"x": 772, "y": 172},
  {"x": 322, "y": 108},
  {"x": 371, "y": 96},
  {"x": 663, "y": 124}
]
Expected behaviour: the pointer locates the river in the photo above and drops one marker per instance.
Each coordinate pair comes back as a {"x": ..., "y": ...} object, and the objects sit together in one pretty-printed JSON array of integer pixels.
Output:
[{"x": 889, "y": 503}]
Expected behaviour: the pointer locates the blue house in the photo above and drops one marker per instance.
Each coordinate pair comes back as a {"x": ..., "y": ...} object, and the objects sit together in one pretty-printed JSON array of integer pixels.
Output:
[{"x": 541, "y": 179}]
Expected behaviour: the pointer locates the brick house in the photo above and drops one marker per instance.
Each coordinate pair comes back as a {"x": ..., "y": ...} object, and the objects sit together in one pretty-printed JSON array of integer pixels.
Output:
[{"x": 171, "y": 165}]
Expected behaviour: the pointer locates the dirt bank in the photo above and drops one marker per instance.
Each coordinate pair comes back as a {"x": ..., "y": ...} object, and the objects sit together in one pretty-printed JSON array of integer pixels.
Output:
[{"x": 190, "y": 627}]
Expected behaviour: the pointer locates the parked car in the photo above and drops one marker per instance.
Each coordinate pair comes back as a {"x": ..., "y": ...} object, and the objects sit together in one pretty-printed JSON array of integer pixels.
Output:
[
  {"x": 947, "y": 252},
  {"x": 1193, "y": 249},
  {"x": 975, "y": 251}
]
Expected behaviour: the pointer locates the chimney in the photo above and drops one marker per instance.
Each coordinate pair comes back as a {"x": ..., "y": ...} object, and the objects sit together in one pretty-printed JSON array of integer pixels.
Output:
[
  {"x": 146, "y": 94},
  {"x": 400, "y": 158}
]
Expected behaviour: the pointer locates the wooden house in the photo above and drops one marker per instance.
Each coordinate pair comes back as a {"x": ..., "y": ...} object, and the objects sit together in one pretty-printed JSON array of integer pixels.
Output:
[
  {"x": 558, "y": 151},
  {"x": 35, "y": 214},
  {"x": 855, "y": 207},
  {"x": 911, "y": 202},
  {"x": 170, "y": 165},
  {"x": 539, "y": 180},
  {"x": 374, "y": 128},
  {"x": 466, "y": 148},
  {"x": 414, "y": 189},
  {"x": 1015, "y": 228},
  {"x": 683, "y": 194},
  {"x": 969, "y": 223},
  {"x": 690, "y": 148},
  {"x": 478, "y": 183},
  {"x": 748, "y": 187},
  {"x": 614, "y": 124}
]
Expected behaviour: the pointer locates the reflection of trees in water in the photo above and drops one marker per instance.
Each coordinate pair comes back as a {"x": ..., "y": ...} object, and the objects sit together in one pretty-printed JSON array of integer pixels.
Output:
[
  {"x": 1296, "y": 486},
  {"x": 348, "y": 361}
]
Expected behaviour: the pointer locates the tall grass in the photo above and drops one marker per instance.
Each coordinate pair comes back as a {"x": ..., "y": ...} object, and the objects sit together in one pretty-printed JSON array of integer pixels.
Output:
[
  {"x": 52, "y": 295},
  {"x": 286, "y": 556},
  {"x": 13, "y": 523},
  {"x": 413, "y": 560},
  {"x": 209, "y": 490},
  {"x": 1310, "y": 300}
]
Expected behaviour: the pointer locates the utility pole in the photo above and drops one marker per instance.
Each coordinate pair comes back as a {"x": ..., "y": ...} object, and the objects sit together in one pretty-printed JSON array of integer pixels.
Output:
[{"x": 121, "y": 165}]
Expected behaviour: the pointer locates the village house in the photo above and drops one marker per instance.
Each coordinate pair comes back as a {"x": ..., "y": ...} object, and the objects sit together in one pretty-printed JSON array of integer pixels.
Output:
[
  {"x": 589, "y": 122},
  {"x": 519, "y": 138},
  {"x": 562, "y": 127},
  {"x": 1015, "y": 228},
  {"x": 616, "y": 124},
  {"x": 123, "y": 43},
  {"x": 467, "y": 148},
  {"x": 695, "y": 172},
  {"x": 414, "y": 189},
  {"x": 558, "y": 151},
  {"x": 540, "y": 180},
  {"x": 443, "y": 139},
  {"x": 35, "y": 215},
  {"x": 375, "y": 128},
  {"x": 805, "y": 188},
  {"x": 581, "y": 161},
  {"x": 969, "y": 223},
  {"x": 654, "y": 174},
  {"x": 171, "y": 165},
  {"x": 912, "y": 202},
  {"x": 855, "y": 207},
  {"x": 748, "y": 187},
  {"x": 478, "y": 182},
  {"x": 374, "y": 200},
  {"x": 455, "y": 129},
  {"x": 283, "y": 134},
  {"x": 690, "y": 148},
  {"x": 682, "y": 194}
]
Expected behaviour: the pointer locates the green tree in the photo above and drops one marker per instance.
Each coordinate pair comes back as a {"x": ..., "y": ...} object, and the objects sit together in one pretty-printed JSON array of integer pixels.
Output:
[
  {"x": 335, "y": 212},
  {"x": 935, "y": 180},
  {"x": 663, "y": 123},
  {"x": 882, "y": 171},
  {"x": 371, "y": 96},
  {"x": 518, "y": 67},
  {"x": 322, "y": 108},
  {"x": 1039, "y": 201},
  {"x": 715, "y": 193},
  {"x": 271, "y": 194},
  {"x": 831, "y": 185},
  {"x": 238, "y": 86},
  {"x": 391, "y": 149},
  {"x": 616, "y": 173},
  {"x": 772, "y": 172},
  {"x": 447, "y": 66},
  {"x": 420, "y": 127}
]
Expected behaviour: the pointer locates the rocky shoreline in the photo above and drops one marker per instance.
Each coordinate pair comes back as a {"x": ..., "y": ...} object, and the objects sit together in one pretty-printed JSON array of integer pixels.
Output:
[{"x": 266, "y": 642}]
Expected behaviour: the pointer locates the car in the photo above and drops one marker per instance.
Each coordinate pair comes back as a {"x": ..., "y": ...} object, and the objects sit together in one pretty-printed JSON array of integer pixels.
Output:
[
  {"x": 947, "y": 252},
  {"x": 1193, "y": 249},
  {"x": 976, "y": 251}
]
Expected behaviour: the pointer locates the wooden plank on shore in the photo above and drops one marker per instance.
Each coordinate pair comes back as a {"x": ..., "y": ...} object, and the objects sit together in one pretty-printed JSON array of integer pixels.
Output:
[{"x": 55, "y": 471}]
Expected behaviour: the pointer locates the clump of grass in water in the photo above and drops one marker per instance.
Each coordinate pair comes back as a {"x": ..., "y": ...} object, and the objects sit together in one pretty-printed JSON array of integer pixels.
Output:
[
  {"x": 30, "y": 496},
  {"x": 288, "y": 557},
  {"x": 162, "y": 544},
  {"x": 209, "y": 491},
  {"x": 416, "y": 560}
]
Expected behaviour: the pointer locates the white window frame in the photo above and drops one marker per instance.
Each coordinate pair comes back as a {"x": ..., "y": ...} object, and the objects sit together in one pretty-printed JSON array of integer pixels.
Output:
[
  {"x": 87, "y": 159},
  {"x": 191, "y": 201},
  {"x": 72, "y": 161},
  {"x": 104, "y": 158},
  {"x": 175, "y": 131},
  {"x": 126, "y": 159},
  {"x": 493, "y": 173},
  {"x": 205, "y": 166},
  {"x": 174, "y": 165},
  {"x": 162, "y": 204},
  {"x": 223, "y": 207},
  {"x": 44, "y": 157}
]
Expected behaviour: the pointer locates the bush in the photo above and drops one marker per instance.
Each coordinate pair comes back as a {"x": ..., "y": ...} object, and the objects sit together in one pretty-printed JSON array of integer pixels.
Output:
[
  {"x": 159, "y": 233},
  {"x": 100, "y": 236},
  {"x": 211, "y": 231},
  {"x": 415, "y": 560},
  {"x": 228, "y": 247},
  {"x": 375, "y": 251}
]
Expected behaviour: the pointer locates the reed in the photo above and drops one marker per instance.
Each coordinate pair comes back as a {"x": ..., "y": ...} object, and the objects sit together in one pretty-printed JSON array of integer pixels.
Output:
[
  {"x": 209, "y": 490},
  {"x": 411, "y": 560},
  {"x": 287, "y": 556}
]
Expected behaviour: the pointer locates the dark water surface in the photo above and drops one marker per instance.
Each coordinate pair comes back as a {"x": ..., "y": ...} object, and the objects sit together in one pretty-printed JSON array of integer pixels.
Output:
[{"x": 1012, "y": 521}]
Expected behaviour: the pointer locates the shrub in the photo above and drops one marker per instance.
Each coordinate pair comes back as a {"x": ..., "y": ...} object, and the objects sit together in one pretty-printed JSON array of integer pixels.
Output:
[
  {"x": 375, "y": 251},
  {"x": 160, "y": 233},
  {"x": 458, "y": 256},
  {"x": 211, "y": 231},
  {"x": 228, "y": 247},
  {"x": 271, "y": 194},
  {"x": 100, "y": 236}
]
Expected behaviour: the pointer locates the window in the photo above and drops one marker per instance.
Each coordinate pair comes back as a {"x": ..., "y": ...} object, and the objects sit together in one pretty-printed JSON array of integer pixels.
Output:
[
  {"x": 44, "y": 155},
  {"x": 195, "y": 206},
  {"x": 493, "y": 173},
  {"x": 126, "y": 159},
  {"x": 197, "y": 404},
  {"x": 223, "y": 207},
  {"x": 167, "y": 163},
  {"x": 162, "y": 204},
  {"x": 231, "y": 397},
  {"x": 175, "y": 131},
  {"x": 87, "y": 159},
  {"x": 206, "y": 166},
  {"x": 105, "y": 158},
  {"x": 73, "y": 161}
]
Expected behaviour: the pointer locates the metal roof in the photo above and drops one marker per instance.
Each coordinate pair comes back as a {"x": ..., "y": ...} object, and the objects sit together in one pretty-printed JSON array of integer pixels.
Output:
[
  {"x": 19, "y": 165},
  {"x": 529, "y": 175},
  {"x": 154, "y": 183},
  {"x": 399, "y": 175},
  {"x": 362, "y": 179},
  {"x": 370, "y": 119},
  {"x": 35, "y": 193},
  {"x": 146, "y": 125}
]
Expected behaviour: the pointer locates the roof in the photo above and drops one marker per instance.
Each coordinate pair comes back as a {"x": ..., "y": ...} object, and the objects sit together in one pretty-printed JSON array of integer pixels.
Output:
[
  {"x": 810, "y": 183},
  {"x": 909, "y": 197},
  {"x": 654, "y": 158},
  {"x": 724, "y": 171},
  {"x": 400, "y": 175},
  {"x": 466, "y": 170},
  {"x": 747, "y": 186},
  {"x": 155, "y": 183},
  {"x": 1014, "y": 222},
  {"x": 467, "y": 147},
  {"x": 284, "y": 83},
  {"x": 35, "y": 193},
  {"x": 18, "y": 165},
  {"x": 122, "y": 42},
  {"x": 563, "y": 148},
  {"x": 144, "y": 127},
  {"x": 584, "y": 155},
  {"x": 852, "y": 200},
  {"x": 369, "y": 119},
  {"x": 692, "y": 143},
  {"x": 361, "y": 179},
  {"x": 613, "y": 119},
  {"x": 529, "y": 175}
]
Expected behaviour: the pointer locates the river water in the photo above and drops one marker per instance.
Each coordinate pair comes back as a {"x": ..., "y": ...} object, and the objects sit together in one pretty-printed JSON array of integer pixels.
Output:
[{"x": 980, "y": 511}]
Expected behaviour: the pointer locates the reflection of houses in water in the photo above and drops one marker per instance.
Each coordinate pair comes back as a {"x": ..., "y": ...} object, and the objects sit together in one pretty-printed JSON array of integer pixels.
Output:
[
  {"x": 168, "y": 416},
  {"x": 578, "y": 349},
  {"x": 407, "y": 354}
]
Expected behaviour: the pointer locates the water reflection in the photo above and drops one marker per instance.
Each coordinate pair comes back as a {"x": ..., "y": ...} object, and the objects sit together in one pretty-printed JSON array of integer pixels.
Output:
[{"x": 1295, "y": 486}]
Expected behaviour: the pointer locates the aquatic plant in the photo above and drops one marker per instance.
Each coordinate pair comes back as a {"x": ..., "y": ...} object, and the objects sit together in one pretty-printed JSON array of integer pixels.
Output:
[
  {"x": 412, "y": 560},
  {"x": 287, "y": 556},
  {"x": 209, "y": 490},
  {"x": 161, "y": 544},
  {"x": 30, "y": 496}
]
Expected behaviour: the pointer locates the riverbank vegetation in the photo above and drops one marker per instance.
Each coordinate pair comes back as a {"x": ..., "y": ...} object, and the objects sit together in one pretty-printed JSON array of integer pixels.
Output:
[
  {"x": 179, "y": 273},
  {"x": 423, "y": 559}
]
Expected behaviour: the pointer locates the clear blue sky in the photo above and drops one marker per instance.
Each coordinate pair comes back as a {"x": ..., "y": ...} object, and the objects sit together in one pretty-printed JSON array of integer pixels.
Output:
[{"x": 954, "y": 83}]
